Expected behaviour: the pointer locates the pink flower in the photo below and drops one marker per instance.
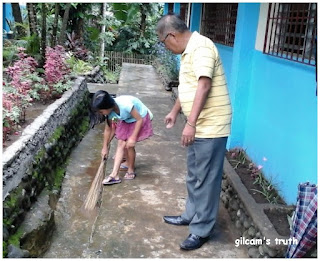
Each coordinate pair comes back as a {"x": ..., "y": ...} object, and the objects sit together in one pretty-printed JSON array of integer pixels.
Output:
[{"x": 260, "y": 167}]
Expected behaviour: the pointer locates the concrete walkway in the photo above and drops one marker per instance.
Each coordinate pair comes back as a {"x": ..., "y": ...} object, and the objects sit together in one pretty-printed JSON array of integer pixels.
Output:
[{"x": 129, "y": 222}]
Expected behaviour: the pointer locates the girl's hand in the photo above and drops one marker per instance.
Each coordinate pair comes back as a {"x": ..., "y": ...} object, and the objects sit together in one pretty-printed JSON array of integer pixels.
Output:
[
  {"x": 104, "y": 153},
  {"x": 131, "y": 143}
]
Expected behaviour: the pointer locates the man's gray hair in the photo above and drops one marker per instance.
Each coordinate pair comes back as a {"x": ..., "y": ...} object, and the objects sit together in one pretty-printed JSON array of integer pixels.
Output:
[{"x": 171, "y": 22}]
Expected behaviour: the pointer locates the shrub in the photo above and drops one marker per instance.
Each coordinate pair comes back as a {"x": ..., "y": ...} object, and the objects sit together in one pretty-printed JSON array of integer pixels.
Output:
[{"x": 22, "y": 84}]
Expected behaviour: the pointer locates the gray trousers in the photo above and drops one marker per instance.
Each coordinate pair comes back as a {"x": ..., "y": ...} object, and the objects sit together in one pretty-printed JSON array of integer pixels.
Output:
[{"x": 205, "y": 167}]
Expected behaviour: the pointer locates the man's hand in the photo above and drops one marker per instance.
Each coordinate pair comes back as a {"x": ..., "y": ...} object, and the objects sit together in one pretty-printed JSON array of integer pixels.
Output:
[
  {"x": 188, "y": 135},
  {"x": 170, "y": 120}
]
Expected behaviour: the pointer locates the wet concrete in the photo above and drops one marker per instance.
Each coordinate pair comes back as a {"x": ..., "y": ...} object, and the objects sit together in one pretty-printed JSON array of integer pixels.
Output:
[{"x": 128, "y": 223}]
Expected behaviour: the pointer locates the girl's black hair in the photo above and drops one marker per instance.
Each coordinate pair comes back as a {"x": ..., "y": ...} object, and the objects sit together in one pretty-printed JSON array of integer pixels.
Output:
[{"x": 101, "y": 100}]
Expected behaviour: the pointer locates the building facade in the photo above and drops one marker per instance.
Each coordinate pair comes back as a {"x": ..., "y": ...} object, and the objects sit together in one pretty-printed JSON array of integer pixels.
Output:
[{"x": 269, "y": 57}]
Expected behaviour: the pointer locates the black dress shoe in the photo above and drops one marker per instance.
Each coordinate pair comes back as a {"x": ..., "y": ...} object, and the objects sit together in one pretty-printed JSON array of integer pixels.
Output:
[
  {"x": 175, "y": 220},
  {"x": 193, "y": 242}
]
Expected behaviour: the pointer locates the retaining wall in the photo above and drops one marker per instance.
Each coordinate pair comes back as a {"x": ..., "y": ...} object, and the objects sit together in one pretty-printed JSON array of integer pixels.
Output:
[{"x": 34, "y": 168}]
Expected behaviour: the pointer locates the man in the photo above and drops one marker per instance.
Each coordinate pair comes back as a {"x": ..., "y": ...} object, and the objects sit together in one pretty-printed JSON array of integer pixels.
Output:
[{"x": 204, "y": 99}]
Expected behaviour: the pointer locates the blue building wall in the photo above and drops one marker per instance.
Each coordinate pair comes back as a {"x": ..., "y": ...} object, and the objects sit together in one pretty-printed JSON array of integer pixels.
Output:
[
  {"x": 274, "y": 106},
  {"x": 7, "y": 13}
]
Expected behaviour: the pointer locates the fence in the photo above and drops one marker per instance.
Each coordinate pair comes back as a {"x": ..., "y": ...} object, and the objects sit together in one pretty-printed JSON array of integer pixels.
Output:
[{"x": 115, "y": 59}]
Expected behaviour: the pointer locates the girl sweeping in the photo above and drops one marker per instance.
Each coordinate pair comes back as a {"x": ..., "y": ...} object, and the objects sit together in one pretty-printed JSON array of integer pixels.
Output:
[{"x": 133, "y": 125}]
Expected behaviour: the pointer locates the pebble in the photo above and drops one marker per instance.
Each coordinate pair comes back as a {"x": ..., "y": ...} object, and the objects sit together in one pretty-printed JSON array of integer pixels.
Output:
[{"x": 253, "y": 252}]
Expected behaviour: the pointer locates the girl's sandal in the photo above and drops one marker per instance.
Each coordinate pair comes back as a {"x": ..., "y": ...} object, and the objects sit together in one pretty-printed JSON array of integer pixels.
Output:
[
  {"x": 129, "y": 176},
  {"x": 110, "y": 181}
]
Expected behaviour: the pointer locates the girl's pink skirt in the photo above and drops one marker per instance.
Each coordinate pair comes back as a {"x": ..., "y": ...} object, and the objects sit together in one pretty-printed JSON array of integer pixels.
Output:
[{"x": 124, "y": 129}]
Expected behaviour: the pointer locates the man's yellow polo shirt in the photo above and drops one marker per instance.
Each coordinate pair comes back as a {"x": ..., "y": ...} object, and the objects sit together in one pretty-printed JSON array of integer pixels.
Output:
[{"x": 201, "y": 58}]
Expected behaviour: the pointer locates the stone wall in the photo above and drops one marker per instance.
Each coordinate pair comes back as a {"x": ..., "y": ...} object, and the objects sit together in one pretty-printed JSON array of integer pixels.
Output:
[{"x": 34, "y": 168}]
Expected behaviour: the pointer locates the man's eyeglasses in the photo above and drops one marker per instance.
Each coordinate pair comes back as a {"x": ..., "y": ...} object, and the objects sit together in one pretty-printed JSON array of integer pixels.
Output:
[{"x": 163, "y": 41}]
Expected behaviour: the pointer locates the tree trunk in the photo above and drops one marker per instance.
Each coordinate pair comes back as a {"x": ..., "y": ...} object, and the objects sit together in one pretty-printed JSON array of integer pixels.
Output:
[
  {"x": 32, "y": 19},
  {"x": 64, "y": 24},
  {"x": 143, "y": 23},
  {"x": 43, "y": 34},
  {"x": 103, "y": 30},
  {"x": 16, "y": 12},
  {"x": 55, "y": 25}
]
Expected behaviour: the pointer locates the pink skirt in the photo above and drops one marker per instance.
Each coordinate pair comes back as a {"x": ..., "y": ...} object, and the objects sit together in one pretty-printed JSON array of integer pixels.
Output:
[{"x": 124, "y": 129}]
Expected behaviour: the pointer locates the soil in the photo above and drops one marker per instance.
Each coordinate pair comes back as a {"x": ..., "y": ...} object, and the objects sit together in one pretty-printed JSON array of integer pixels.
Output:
[
  {"x": 243, "y": 170},
  {"x": 32, "y": 113},
  {"x": 280, "y": 220},
  {"x": 278, "y": 217}
]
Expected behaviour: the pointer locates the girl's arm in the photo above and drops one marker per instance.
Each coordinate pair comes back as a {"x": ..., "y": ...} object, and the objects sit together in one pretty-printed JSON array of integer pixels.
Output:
[
  {"x": 134, "y": 136},
  {"x": 108, "y": 135}
]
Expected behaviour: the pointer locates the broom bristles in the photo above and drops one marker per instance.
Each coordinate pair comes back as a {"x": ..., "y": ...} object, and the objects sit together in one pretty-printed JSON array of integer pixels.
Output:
[{"x": 95, "y": 189}]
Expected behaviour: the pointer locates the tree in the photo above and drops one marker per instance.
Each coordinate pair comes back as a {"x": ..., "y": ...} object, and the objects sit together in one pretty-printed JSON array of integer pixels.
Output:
[
  {"x": 55, "y": 24},
  {"x": 32, "y": 16},
  {"x": 103, "y": 30},
  {"x": 43, "y": 34},
  {"x": 64, "y": 24},
  {"x": 16, "y": 12}
]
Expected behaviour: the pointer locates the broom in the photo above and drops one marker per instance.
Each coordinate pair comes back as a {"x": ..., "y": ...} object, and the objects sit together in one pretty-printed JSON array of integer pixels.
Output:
[{"x": 95, "y": 188}]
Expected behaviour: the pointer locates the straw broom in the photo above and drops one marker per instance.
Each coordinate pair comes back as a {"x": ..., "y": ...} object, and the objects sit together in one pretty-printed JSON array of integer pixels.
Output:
[{"x": 95, "y": 188}]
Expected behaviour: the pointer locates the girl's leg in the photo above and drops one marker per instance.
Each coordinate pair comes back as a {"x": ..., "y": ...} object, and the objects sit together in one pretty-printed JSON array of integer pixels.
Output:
[
  {"x": 130, "y": 163},
  {"x": 118, "y": 159},
  {"x": 125, "y": 159}
]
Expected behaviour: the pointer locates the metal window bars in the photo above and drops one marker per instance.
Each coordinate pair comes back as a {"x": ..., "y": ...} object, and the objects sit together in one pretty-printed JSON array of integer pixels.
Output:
[
  {"x": 291, "y": 32},
  {"x": 219, "y": 22}
]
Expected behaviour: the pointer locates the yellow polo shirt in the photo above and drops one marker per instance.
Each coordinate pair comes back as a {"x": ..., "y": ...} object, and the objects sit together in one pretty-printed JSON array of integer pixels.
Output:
[{"x": 201, "y": 58}]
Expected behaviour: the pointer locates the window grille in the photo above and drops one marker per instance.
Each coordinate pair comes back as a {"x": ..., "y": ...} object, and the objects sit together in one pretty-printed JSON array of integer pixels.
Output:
[
  {"x": 219, "y": 22},
  {"x": 184, "y": 12},
  {"x": 291, "y": 32}
]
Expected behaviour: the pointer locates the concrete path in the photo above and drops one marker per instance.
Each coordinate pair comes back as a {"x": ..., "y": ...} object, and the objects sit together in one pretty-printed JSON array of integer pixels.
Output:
[{"x": 129, "y": 222}]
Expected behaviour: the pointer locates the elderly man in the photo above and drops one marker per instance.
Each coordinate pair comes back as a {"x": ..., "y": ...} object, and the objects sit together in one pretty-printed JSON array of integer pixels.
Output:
[{"x": 204, "y": 100}]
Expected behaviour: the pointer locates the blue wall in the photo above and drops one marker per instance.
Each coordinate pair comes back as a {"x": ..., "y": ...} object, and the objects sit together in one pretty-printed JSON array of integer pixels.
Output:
[
  {"x": 7, "y": 13},
  {"x": 281, "y": 122},
  {"x": 274, "y": 108}
]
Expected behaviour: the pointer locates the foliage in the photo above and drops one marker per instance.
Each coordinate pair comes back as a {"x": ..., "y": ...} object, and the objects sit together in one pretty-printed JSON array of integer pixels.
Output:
[
  {"x": 169, "y": 65},
  {"x": 78, "y": 66},
  {"x": 22, "y": 84},
  {"x": 267, "y": 187},
  {"x": 75, "y": 45},
  {"x": 112, "y": 76},
  {"x": 137, "y": 32}
]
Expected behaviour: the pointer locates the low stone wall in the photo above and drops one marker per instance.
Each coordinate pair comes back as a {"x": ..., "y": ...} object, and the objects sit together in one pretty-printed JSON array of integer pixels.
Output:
[
  {"x": 34, "y": 168},
  {"x": 257, "y": 231}
]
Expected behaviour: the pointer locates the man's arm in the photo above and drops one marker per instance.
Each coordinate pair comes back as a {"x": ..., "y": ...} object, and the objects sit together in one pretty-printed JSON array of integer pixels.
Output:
[{"x": 189, "y": 131}]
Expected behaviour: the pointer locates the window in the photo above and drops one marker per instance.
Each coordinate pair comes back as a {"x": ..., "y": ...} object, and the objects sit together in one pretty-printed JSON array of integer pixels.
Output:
[
  {"x": 219, "y": 22},
  {"x": 184, "y": 12},
  {"x": 291, "y": 32},
  {"x": 170, "y": 8}
]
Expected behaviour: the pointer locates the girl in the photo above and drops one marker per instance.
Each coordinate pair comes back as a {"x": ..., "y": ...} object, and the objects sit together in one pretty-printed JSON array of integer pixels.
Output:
[{"x": 133, "y": 125}]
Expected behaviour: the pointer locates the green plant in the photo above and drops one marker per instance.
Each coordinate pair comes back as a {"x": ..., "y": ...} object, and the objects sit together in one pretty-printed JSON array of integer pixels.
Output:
[
  {"x": 238, "y": 156},
  {"x": 78, "y": 66},
  {"x": 169, "y": 64},
  {"x": 267, "y": 189}
]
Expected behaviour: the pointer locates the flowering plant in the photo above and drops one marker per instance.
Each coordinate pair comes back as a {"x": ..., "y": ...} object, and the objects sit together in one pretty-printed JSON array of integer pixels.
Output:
[{"x": 22, "y": 85}]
